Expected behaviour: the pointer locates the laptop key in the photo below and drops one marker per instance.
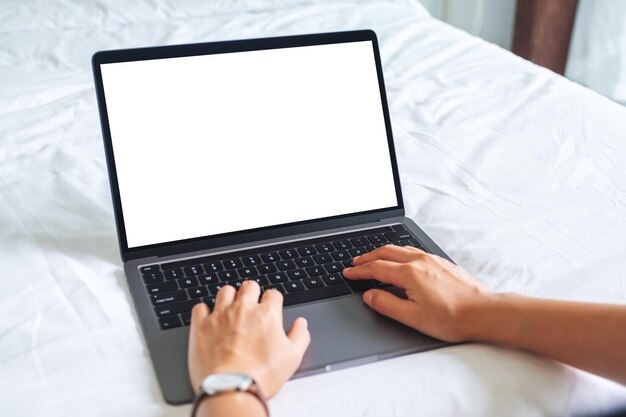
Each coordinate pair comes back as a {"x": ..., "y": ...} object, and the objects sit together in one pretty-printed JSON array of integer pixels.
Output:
[
  {"x": 193, "y": 270},
  {"x": 152, "y": 277},
  {"x": 169, "y": 297},
  {"x": 315, "y": 294},
  {"x": 228, "y": 275},
  {"x": 359, "y": 241},
  {"x": 251, "y": 260},
  {"x": 175, "y": 308},
  {"x": 213, "y": 289},
  {"x": 270, "y": 257},
  {"x": 197, "y": 292},
  {"x": 288, "y": 254},
  {"x": 304, "y": 262},
  {"x": 170, "y": 322},
  {"x": 359, "y": 286},
  {"x": 277, "y": 277},
  {"x": 232, "y": 264},
  {"x": 378, "y": 238},
  {"x": 357, "y": 252},
  {"x": 412, "y": 242},
  {"x": 313, "y": 282},
  {"x": 322, "y": 259},
  {"x": 398, "y": 235},
  {"x": 208, "y": 279},
  {"x": 341, "y": 255},
  {"x": 342, "y": 244},
  {"x": 149, "y": 269},
  {"x": 213, "y": 267},
  {"x": 210, "y": 301},
  {"x": 188, "y": 282},
  {"x": 186, "y": 317},
  {"x": 296, "y": 274},
  {"x": 332, "y": 279},
  {"x": 162, "y": 287},
  {"x": 347, "y": 263},
  {"x": 286, "y": 265},
  {"x": 334, "y": 267},
  {"x": 294, "y": 286},
  {"x": 175, "y": 273},
  {"x": 247, "y": 272},
  {"x": 266, "y": 268},
  {"x": 314, "y": 271},
  {"x": 307, "y": 251},
  {"x": 325, "y": 248}
]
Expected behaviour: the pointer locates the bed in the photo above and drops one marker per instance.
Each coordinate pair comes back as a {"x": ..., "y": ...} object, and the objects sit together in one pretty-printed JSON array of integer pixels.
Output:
[{"x": 515, "y": 172}]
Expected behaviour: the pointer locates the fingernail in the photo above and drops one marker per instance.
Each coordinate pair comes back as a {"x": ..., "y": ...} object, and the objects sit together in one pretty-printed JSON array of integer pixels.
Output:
[
  {"x": 305, "y": 323},
  {"x": 347, "y": 268},
  {"x": 367, "y": 297},
  {"x": 355, "y": 258}
]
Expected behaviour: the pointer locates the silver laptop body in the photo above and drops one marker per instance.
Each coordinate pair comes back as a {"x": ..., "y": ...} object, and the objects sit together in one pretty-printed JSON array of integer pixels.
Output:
[{"x": 229, "y": 157}]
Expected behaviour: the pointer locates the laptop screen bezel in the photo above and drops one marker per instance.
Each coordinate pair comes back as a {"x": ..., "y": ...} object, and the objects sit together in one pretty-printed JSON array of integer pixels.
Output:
[{"x": 267, "y": 232}]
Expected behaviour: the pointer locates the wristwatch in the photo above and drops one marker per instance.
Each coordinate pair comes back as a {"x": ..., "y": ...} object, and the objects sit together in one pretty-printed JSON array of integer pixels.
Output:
[{"x": 227, "y": 382}]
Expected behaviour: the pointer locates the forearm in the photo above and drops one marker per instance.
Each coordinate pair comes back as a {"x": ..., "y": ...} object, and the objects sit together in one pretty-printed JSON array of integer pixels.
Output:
[
  {"x": 584, "y": 335},
  {"x": 232, "y": 404}
]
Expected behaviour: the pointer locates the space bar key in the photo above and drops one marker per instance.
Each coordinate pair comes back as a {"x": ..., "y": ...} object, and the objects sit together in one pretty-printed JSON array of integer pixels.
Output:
[{"x": 315, "y": 294}]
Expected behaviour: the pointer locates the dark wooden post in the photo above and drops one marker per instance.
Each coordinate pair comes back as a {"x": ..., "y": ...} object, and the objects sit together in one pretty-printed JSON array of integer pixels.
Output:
[{"x": 543, "y": 29}]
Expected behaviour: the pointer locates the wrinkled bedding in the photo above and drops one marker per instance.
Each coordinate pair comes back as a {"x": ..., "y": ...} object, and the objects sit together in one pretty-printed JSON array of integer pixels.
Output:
[{"x": 514, "y": 171}]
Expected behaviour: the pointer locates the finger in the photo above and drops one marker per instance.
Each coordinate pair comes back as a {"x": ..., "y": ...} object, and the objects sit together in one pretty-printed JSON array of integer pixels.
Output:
[
  {"x": 384, "y": 271},
  {"x": 300, "y": 336},
  {"x": 391, "y": 306},
  {"x": 199, "y": 312},
  {"x": 248, "y": 293},
  {"x": 273, "y": 298},
  {"x": 224, "y": 298},
  {"x": 391, "y": 253}
]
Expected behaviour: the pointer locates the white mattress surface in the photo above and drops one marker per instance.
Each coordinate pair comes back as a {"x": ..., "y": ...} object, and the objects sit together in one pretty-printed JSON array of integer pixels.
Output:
[{"x": 517, "y": 173}]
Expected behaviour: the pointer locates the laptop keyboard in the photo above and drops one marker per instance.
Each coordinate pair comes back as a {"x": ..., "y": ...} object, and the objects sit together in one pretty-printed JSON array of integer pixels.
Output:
[{"x": 302, "y": 271}]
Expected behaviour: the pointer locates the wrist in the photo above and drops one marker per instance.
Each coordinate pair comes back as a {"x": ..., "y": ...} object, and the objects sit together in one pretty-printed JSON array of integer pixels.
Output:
[
  {"x": 231, "y": 403},
  {"x": 485, "y": 318}
]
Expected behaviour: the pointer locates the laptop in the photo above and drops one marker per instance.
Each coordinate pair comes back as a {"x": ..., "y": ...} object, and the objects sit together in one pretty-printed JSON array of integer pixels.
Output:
[{"x": 266, "y": 159}]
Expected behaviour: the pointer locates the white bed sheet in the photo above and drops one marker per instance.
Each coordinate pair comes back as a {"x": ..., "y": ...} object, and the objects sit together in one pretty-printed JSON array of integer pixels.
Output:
[{"x": 516, "y": 172}]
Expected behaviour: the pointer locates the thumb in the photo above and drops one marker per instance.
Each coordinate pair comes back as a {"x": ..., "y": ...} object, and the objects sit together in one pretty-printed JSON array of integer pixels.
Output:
[
  {"x": 299, "y": 336},
  {"x": 391, "y": 306}
]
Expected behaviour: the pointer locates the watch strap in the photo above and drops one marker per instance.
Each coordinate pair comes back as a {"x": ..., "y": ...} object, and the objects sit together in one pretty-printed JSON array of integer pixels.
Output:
[
  {"x": 196, "y": 402},
  {"x": 252, "y": 389}
]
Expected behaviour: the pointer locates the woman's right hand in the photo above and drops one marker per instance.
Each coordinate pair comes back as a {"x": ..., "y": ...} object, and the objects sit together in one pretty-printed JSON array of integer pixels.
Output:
[
  {"x": 443, "y": 300},
  {"x": 446, "y": 302}
]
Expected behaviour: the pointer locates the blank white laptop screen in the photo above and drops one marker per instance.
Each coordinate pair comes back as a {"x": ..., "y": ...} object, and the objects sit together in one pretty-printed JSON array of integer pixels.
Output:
[{"x": 220, "y": 143}]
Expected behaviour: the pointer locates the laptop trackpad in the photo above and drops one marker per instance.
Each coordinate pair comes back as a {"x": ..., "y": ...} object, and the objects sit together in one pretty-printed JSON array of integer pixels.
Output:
[{"x": 346, "y": 332}]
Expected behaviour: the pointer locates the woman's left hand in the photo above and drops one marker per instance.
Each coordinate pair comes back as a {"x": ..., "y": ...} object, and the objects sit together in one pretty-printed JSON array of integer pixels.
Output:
[{"x": 247, "y": 336}]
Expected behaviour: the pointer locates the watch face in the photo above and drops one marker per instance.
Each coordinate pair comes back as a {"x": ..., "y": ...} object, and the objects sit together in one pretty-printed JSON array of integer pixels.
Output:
[{"x": 226, "y": 381}]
